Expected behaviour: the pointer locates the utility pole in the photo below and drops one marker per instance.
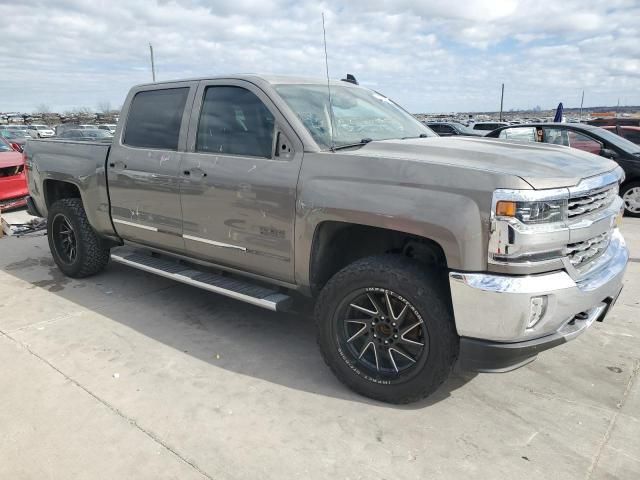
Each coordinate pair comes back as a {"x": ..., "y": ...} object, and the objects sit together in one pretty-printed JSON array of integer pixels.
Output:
[
  {"x": 153, "y": 66},
  {"x": 581, "y": 103},
  {"x": 501, "y": 101}
]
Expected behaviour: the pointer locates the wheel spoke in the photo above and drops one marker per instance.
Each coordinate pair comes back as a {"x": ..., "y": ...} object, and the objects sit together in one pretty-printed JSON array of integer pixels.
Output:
[
  {"x": 389, "y": 306},
  {"x": 395, "y": 349},
  {"x": 393, "y": 360},
  {"x": 362, "y": 309},
  {"x": 374, "y": 303},
  {"x": 375, "y": 353},
  {"x": 359, "y": 332},
  {"x": 407, "y": 330}
]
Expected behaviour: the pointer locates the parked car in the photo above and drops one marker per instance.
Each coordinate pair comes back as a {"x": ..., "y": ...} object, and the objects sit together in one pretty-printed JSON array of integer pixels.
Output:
[
  {"x": 41, "y": 131},
  {"x": 16, "y": 138},
  {"x": 629, "y": 132},
  {"x": 86, "y": 134},
  {"x": 110, "y": 127},
  {"x": 485, "y": 127},
  {"x": 13, "y": 182},
  {"x": 590, "y": 139},
  {"x": 418, "y": 250},
  {"x": 63, "y": 127},
  {"x": 22, "y": 128},
  {"x": 452, "y": 129}
]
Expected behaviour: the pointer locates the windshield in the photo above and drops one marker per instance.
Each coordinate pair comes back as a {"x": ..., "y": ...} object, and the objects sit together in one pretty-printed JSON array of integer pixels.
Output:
[
  {"x": 358, "y": 115},
  {"x": 618, "y": 141},
  {"x": 4, "y": 146}
]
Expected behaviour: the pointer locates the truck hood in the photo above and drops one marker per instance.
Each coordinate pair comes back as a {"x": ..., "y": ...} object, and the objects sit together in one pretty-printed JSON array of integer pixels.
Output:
[{"x": 540, "y": 165}]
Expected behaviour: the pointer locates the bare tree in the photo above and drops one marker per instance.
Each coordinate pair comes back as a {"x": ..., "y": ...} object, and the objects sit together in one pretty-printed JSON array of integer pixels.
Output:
[
  {"x": 42, "y": 108},
  {"x": 104, "y": 107}
]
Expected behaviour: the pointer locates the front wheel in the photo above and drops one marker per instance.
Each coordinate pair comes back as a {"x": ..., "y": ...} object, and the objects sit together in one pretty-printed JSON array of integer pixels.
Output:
[
  {"x": 75, "y": 246},
  {"x": 630, "y": 194},
  {"x": 386, "y": 330}
]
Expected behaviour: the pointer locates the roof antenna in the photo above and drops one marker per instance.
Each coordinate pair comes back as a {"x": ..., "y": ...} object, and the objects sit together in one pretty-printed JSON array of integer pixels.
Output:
[{"x": 326, "y": 63}]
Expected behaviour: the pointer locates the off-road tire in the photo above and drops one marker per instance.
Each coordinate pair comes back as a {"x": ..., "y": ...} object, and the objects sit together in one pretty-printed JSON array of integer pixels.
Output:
[
  {"x": 92, "y": 255},
  {"x": 425, "y": 290}
]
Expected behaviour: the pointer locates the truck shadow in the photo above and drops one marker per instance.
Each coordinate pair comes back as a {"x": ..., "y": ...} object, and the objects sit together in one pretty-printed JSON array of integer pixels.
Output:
[{"x": 276, "y": 347}]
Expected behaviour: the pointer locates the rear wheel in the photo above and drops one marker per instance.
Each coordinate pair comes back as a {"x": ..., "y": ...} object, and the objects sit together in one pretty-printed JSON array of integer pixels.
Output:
[
  {"x": 75, "y": 246},
  {"x": 630, "y": 194},
  {"x": 386, "y": 330}
]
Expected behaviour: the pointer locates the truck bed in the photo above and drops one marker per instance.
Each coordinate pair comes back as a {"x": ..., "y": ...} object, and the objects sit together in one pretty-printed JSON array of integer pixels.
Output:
[{"x": 80, "y": 163}]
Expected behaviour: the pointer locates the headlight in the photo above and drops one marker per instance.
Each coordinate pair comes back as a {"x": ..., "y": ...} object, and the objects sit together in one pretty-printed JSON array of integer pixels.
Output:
[{"x": 531, "y": 212}]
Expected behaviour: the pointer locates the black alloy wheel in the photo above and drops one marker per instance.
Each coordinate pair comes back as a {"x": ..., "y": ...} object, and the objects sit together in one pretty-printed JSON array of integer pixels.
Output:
[
  {"x": 382, "y": 333},
  {"x": 64, "y": 239}
]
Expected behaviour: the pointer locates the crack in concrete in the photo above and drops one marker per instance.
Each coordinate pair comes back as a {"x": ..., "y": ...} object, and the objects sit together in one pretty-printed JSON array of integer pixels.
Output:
[
  {"x": 115, "y": 410},
  {"x": 607, "y": 434}
]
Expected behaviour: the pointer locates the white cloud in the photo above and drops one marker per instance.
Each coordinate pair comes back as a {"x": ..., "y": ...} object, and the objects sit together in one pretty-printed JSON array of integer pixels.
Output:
[{"x": 430, "y": 56}]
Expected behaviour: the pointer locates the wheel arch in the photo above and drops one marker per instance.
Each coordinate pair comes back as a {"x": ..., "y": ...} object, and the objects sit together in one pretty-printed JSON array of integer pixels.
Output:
[{"x": 337, "y": 244}]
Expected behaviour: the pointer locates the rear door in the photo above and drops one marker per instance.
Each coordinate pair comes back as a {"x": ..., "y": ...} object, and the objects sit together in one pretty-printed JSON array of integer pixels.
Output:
[
  {"x": 143, "y": 165},
  {"x": 239, "y": 179}
]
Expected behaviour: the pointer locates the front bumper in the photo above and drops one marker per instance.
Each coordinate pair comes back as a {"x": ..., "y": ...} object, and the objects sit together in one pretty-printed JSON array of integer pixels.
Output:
[{"x": 492, "y": 311}]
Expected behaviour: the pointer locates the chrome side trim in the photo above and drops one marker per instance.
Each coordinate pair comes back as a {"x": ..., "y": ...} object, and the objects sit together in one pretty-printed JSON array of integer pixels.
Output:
[
  {"x": 213, "y": 242},
  {"x": 137, "y": 225}
]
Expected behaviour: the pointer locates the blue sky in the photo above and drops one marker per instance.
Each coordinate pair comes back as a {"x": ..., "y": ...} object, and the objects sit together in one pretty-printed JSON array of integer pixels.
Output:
[{"x": 429, "y": 56}]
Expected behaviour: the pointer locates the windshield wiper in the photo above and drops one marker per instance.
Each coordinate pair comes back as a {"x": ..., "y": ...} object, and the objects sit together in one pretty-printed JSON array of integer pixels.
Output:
[
  {"x": 422, "y": 135},
  {"x": 362, "y": 142}
]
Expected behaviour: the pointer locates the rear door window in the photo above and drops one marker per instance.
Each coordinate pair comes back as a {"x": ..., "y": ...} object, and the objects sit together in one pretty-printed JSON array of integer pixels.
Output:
[
  {"x": 155, "y": 117},
  {"x": 584, "y": 142},
  {"x": 234, "y": 121},
  {"x": 631, "y": 135}
]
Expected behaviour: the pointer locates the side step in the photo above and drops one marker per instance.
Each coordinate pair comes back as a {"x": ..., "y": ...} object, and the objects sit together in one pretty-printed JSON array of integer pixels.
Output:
[{"x": 240, "y": 289}]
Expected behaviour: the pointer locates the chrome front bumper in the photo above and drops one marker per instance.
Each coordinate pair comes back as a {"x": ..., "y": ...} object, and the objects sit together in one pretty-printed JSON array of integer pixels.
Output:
[{"x": 497, "y": 308}]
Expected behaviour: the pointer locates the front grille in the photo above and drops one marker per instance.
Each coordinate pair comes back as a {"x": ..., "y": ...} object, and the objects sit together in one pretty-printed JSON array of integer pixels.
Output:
[
  {"x": 592, "y": 201},
  {"x": 583, "y": 252}
]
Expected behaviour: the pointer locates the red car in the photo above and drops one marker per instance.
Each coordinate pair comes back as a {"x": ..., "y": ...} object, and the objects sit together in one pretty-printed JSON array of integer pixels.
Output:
[
  {"x": 13, "y": 180},
  {"x": 629, "y": 132}
]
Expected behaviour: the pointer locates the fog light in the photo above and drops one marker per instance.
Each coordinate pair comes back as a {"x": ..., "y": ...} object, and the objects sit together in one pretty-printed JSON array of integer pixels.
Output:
[{"x": 537, "y": 309}]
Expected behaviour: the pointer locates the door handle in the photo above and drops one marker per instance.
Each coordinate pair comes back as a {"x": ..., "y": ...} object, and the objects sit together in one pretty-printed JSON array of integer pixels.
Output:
[
  {"x": 117, "y": 164},
  {"x": 197, "y": 172}
]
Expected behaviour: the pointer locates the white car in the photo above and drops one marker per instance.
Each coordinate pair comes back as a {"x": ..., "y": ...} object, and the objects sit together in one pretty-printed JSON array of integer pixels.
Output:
[
  {"x": 40, "y": 131},
  {"x": 110, "y": 127}
]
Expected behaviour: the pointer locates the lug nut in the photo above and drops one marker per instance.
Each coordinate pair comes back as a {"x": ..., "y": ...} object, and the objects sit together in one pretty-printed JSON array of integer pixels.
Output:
[
  {"x": 394, "y": 324},
  {"x": 395, "y": 336},
  {"x": 385, "y": 342},
  {"x": 375, "y": 336}
]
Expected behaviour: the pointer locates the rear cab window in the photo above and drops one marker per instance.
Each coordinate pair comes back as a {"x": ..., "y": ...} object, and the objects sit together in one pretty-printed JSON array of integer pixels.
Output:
[{"x": 155, "y": 117}]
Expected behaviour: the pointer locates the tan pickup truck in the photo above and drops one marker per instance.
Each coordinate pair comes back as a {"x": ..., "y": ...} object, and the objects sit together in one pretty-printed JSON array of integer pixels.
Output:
[{"x": 419, "y": 251}]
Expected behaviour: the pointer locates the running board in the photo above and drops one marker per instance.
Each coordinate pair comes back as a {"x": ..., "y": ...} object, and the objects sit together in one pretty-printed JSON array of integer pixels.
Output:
[{"x": 240, "y": 289}]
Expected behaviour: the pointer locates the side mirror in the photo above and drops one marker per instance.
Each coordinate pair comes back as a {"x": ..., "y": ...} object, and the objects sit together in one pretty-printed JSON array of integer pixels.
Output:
[{"x": 608, "y": 153}]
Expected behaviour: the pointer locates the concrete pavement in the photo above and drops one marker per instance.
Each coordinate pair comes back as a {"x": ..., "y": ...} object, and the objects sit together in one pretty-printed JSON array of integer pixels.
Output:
[{"x": 127, "y": 375}]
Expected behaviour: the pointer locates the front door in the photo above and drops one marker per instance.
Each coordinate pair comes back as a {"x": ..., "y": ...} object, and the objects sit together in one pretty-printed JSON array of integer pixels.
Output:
[
  {"x": 143, "y": 166},
  {"x": 238, "y": 180}
]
